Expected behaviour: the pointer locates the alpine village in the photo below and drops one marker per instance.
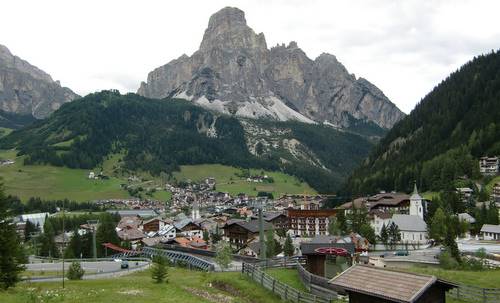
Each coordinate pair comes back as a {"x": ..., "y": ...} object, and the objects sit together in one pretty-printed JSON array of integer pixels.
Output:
[{"x": 248, "y": 173}]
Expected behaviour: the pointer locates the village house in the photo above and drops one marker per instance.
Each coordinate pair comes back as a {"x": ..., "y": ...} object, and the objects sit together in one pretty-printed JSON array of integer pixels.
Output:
[
  {"x": 309, "y": 223},
  {"x": 375, "y": 285},
  {"x": 495, "y": 193},
  {"x": 187, "y": 228},
  {"x": 278, "y": 219},
  {"x": 383, "y": 202},
  {"x": 488, "y": 166},
  {"x": 240, "y": 232},
  {"x": 490, "y": 232},
  {"x": 465, "y": 193}
]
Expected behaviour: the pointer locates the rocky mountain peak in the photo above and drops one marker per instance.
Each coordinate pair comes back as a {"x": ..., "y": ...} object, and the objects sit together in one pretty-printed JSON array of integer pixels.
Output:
[
  {"x": 26, "y": 89},
  {"x": 228, "y": 30},
  {"x": 235, "y": 73}
]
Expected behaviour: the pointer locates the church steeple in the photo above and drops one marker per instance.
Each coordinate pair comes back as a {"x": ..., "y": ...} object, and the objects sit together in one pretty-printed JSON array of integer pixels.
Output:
[{"x": 416, "y": 203}]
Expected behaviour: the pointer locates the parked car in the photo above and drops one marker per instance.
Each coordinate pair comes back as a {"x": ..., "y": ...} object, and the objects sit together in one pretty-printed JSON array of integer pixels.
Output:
[
  {"x": 401, "y": 253},
  {"x": 124, "y": 264}
]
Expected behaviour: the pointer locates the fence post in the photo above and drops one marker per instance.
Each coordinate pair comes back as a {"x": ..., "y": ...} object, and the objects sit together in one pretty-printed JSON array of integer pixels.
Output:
[
  {"x": 484, "y": 295},
  {"x": 458, "y": 292},
  {"x": 262, "y": 278},
  {"x": 298, "y": 296},
  {"x": 243, "y": 268},
  {"x": 286, "y": 292},
  {"x": 274, "y": 282}
]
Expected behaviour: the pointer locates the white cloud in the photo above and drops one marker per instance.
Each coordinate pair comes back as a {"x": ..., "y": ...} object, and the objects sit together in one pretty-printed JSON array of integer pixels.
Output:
[{"x": 403, "y": 47}]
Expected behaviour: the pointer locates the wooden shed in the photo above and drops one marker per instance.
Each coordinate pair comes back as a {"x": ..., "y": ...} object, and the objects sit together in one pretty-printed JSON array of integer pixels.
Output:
[{"x": 376, "y": 285}]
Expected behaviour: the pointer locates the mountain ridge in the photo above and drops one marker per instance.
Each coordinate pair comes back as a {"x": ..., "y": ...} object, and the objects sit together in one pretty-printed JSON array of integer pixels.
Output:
[
  {"x": 26, "y": 89},
  {"x": 441, "y": 140},
  {"x": 234, "y": 72},
  {"x": 158, "y": 136}
]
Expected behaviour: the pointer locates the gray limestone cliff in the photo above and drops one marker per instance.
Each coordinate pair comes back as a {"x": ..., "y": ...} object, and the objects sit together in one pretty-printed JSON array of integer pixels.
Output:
[
  {"x": 235, "y": 73},
  {"x": 25, "y": 89}
]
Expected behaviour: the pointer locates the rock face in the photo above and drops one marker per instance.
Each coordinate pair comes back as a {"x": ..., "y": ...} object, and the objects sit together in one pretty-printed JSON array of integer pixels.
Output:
[
  {"x": 235, "y": 73},
  {"x": 25, "y": 89}
]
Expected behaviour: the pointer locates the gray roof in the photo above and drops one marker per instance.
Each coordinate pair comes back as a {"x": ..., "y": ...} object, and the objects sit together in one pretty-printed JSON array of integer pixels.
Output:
[
  {"x": 252, "y": 225},
  {"x": 409, "y": 222},
  {"x": 143, "y": 213},
  {"x": 183, "y": 223},
  {"x": 466, "y": 217},
  {"x": 489, "y": 228}
]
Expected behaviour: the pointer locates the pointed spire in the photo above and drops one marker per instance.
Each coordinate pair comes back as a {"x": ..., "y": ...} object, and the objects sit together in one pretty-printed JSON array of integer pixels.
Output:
[{"x": 415, "y": 191}]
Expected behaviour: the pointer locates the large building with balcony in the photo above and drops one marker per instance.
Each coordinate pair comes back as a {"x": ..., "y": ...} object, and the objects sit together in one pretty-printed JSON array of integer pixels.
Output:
[
  {"x": 309, "y": 223},
  {"x": 489, "y": 165}
]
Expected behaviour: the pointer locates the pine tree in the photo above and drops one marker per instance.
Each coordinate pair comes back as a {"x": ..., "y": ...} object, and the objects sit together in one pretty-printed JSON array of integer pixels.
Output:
[
  {"x": 271, "y": 249},
  {"x": 384, "y": 235},
  {"x": 28, "y": 230},
  {"x": 48, "y": 246},
  {"x": 394, "y": 235},
  {"x": 334, "y": 227},
  {"x": 288, "y": 248},
  {"x": 10, "y": 248},
  {"x": 75, "y": 245},
  {"x": 106, "y": 233},
  {"x": 438, "y": 227},
  {"x": 223, "y": 254},
  {"x": 159, "y": 272}
]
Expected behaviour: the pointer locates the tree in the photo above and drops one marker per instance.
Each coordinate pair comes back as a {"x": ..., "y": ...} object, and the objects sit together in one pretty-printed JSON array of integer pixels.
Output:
[
  {"x": 452, "y": 247},
  {"x": 206, "y": 235},
  {"x": 367, "y": 231},
  {"x": 106, "y": 233},
  {"x": 271, "y": 245},
  {"x": 159, "y": 272},
  {"x": 48, "y": 246},
  {"x": 288, "y": 248},
  {"x": 394, "y": 235},
  {"x": 28, "y": 230},
  {"x": 384, "y": 235},
  {"x": 75, "y": 246},
  {"x": 342, "y": 222},
  {"x": 334, "y": 227},
  {"x": 10, "y": 249},
  {"x": 438, "y": 227},
  {"x": 223, "y": 254},
  {"x": 75, "y": 271}
]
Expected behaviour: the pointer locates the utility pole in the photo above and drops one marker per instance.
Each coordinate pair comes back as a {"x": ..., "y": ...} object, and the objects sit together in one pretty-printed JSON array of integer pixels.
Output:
[
  {"x": 261, "y": 236},
  {"x": 93, "y": 224},
  {"x": 64, "y": 242}
]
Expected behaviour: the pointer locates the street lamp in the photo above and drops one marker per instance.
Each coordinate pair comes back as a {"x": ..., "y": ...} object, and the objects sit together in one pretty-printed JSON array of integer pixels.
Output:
[{"x": 93, "y": 224}]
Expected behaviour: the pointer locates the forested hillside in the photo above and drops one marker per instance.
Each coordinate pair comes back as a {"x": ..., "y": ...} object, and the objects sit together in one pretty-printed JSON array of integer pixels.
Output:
[
  {"x": 159, "y": 135},
  {"x": 443, "y": 137},
  {"x": 14, "y": 121}
]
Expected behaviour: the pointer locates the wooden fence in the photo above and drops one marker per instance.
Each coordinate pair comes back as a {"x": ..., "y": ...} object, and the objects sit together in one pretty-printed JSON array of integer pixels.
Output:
[
  {"x": 316, "y": 284},
  {"x": 475, "y": 294},
  {"x": 283, "y": 290}
]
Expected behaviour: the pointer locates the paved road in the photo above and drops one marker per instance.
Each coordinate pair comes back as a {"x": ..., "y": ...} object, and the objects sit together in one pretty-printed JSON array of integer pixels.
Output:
[
  {"x": 474, "y": 245},
  {"x": 96, "y": 270}
]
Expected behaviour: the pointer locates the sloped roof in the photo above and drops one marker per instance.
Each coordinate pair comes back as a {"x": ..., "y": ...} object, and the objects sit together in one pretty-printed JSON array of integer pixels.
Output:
[
  {"x": 252, "y": 225},
  {"x": 489, "y": 228},
  {"x": 466, "y": 217},
  {"x": 409, "y": 222},
  {"x": 386, "y": 284}
]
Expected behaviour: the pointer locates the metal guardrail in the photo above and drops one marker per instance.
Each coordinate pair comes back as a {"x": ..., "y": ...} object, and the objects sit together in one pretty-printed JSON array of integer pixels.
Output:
[
  {"x": 283, "y": 290},
  {"x": 178, "y": 257}
]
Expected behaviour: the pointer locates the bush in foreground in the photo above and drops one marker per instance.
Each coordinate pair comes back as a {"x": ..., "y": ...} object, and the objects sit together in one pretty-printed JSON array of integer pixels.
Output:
[{"x": 75, "y": 271}]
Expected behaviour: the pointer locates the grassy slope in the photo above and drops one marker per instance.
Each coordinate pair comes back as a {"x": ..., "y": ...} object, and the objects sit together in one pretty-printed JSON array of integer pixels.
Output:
[
  {"x": 227, "y": 181},
  {"x": 140, "y": 288},
  {"x": 288, "y": 276},
  {"x": 51, "y": 182},
  {"x": 4, "y": 131},
  {"x": 485, "y": 279}
]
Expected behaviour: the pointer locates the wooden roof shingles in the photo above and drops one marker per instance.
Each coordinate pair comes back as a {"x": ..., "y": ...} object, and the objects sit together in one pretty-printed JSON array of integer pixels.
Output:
[{"x": 387, "y": 284}]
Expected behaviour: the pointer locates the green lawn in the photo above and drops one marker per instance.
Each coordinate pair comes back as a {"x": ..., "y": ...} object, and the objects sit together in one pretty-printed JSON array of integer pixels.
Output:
[
  {"x": 4, "y": 131},
  {"x": 489, "y": 186},
  {"x": 288, "y": 276},
  {"x": 485, "y": 279},
  {"x": 227, "y": 181},
  {"x": 184, "y": 286},
  {"x": 50, "y": 182}
]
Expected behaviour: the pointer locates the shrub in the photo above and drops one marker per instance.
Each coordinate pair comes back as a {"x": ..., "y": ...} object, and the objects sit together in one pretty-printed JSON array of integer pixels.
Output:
[{"x": 75, "y": 271}]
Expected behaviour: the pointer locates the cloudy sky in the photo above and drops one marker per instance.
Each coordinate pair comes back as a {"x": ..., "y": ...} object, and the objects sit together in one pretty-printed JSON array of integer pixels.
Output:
[{"x": 404, "y": 47}]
